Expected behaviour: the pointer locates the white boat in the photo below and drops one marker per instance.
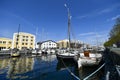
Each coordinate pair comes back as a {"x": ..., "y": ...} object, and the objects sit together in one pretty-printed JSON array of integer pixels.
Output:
[
  {"x": 89, "y": 59},
  {"x": 36, "y": 52},
  {"x": 15, "y": 54}
]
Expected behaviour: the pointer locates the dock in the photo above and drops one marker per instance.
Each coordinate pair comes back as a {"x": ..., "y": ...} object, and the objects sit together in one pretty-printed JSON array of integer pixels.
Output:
[{"x": 112, "y": 58}]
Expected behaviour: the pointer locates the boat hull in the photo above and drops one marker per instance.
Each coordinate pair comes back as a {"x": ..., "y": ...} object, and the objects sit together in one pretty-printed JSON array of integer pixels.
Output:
[{"x": 64, "y": 57}]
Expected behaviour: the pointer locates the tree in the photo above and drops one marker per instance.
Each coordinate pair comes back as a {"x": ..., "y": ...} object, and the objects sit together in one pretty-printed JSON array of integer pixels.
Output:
[{"x": 114, "y": 35}]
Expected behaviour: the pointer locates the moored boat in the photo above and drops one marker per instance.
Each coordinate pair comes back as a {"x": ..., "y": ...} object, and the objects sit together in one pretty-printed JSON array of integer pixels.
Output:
[{"x": 89, "y": 59}]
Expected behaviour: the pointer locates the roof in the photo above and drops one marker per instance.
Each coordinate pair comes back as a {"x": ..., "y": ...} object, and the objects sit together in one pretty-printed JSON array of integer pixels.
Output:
[
  {"x": 46, "y": 41},
  {"x": 25, "y": 33},
  {"x": 5, "y": 38}
]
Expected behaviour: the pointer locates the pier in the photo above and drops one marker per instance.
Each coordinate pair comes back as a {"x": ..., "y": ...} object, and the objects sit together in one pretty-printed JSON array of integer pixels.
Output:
[{"x": 112, "y": 58}]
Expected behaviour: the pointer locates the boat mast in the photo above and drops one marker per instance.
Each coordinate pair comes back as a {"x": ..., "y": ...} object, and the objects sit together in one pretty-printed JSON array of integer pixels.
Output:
[
  {"x": 36, "y": 37},
  {"x": 69, "y": 18},
  {"x": 18, "y": 36}
]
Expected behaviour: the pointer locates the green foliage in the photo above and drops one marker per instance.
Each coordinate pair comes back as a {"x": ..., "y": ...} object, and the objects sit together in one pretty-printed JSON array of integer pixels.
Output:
[{"x": 114, "y": 34}]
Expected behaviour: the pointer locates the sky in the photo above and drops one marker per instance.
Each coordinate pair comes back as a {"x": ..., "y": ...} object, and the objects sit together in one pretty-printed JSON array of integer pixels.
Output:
[{"x": 91, "y": 20}]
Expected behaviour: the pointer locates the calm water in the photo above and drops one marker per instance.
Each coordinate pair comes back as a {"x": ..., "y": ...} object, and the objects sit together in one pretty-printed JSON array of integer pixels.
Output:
[{"x": 42, "y": 68}]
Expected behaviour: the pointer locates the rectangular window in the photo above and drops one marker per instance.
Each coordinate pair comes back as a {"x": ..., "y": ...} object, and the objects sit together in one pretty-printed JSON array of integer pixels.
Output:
[
  {"x": 4, "y": 42},
  {"x": 9, "y": 42},
  {"x": 0, "y": 41},
  {"x": 26, "y": 39},
  {"x": 31, "y": 43},
  {"x": 26, "y": 43},
  {"x": 22, "y": 43}
]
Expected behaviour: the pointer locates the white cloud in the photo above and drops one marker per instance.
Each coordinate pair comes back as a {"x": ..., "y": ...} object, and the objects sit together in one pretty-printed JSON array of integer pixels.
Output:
[
  {"x": 93, "y": 37},
  {"x": 113, "y": 18},
  {"x": 86, "y": 34},
  {"x": 100, "y": 12},
  {"x": 105, "y": 10}
]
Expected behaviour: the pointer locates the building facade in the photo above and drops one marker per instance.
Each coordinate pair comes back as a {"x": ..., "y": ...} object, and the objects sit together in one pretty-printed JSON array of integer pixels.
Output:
[
  {"x": 23, "y": 40},
  {"x": 73, "y": 44},
  {"x": 5, "y": 43},
  {"x": 63, "y": 43},
  {"x": 49, "y": 44}
]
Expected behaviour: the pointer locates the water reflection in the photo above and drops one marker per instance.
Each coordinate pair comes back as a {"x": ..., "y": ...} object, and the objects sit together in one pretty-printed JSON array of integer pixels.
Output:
[
  {"x": 63, "y": 65},
  {"x": 40, "y": 68},
  {"x": 16, "y": 66}
]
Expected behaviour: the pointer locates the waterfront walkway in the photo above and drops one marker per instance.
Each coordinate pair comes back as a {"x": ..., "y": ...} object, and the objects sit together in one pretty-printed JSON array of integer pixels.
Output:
[{"x": 112, "y": 60}]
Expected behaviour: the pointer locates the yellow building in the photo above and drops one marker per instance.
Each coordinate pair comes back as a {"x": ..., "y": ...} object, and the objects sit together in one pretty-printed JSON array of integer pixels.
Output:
[
  {"x": 63, "y": 43},
  {"x": 5, "y": 43},
  {"x": 23, "y": 40}
]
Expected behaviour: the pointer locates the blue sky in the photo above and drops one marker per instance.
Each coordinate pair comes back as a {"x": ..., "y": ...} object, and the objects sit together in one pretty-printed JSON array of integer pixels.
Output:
[{"x": 90, "y": 18}]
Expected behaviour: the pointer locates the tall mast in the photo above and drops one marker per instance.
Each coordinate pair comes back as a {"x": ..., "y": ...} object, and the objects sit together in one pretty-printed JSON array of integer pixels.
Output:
[
  {"x": 69, "y": 18},
  {"x": 18, "y": 36},
  {"x": 36, "y": 37}
]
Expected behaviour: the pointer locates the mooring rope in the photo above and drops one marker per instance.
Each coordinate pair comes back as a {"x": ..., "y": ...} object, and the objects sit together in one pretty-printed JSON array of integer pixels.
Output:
[
  {"x": 107, "y": 75},
  {"x": 94, "y": 72},
  {"x": 70, "y": 71},
  {"x": 118, "y": 69}
]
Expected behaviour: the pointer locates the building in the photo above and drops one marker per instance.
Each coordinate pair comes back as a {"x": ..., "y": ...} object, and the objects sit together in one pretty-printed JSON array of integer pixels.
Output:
[
  {"x": 63, "y": 43},
  {"x": 5, "y": 43},
  {"x": 23, "y": 40},
  {"x": 73, "y": 44},
  {"x": 47, "y": 44}
]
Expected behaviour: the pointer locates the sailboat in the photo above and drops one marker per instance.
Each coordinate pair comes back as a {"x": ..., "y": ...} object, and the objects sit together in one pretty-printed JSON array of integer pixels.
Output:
[
  {"x": 15, "y": 52},
  {"x": 68, "y": 55},
  {"x": 36, "y": 51}
]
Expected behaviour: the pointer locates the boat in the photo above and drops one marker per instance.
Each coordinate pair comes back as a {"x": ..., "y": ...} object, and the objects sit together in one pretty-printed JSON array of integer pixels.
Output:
[
  {"x": 88, "y": 58},
  {"x": 15, "y": 52},
  {"x": 68, "y": 54}
]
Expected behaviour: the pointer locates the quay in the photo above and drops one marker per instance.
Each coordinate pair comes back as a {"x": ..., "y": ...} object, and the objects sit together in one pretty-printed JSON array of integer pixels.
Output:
[{"x": 112, "y": 61}]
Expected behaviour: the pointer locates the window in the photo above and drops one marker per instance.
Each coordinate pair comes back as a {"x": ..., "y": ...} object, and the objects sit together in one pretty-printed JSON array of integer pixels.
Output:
[
  {"x": 0, "y": 41},
  {"x": 23, "y": 40},
  {"x": 31, "y": 40},
  {"x": 31, "y": 43},
  {"x": 16, "y": 43},
  {"x": 4, "y": 42},
  {"x": 23, "y": 36},
  {"x": 31, "y": 36},
  {"x": 26, "y": 39},
  {"x": 26, "y": 43},
  {"x": 22, "y": 43},
  {"x": 17, "y": 35},
  {"x": 17, "y": 39},
  {"x": 9, "y": 42},
  {"x": 26, "y": 36}
]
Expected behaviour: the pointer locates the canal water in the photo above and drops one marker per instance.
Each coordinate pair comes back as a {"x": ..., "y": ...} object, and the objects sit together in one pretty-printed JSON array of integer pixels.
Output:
[{"x": 43, "y": 68}]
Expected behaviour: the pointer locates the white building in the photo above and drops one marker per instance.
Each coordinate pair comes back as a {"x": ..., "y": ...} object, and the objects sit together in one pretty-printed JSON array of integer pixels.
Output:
[{"x": 48, "y": 44}]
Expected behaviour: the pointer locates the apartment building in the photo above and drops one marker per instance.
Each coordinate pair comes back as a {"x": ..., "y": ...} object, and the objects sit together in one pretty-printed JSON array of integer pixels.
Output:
[
  {"x": 5, "y": 43},
  {"x": 23, "y": 40}
]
